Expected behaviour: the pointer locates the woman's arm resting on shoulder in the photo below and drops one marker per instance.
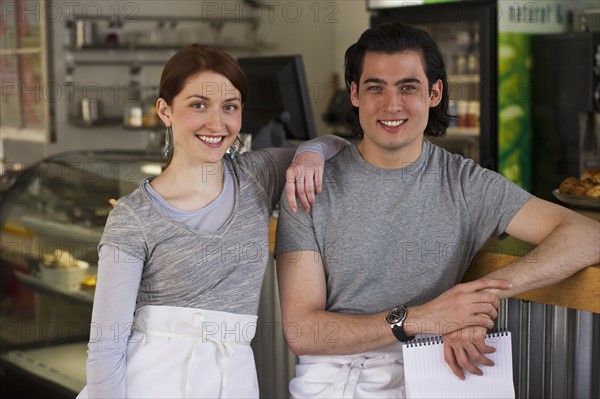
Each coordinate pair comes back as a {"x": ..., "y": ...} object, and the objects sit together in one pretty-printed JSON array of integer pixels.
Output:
[
  {"x": 303, "y": 168},
  {"x": 304, "y": 177}
]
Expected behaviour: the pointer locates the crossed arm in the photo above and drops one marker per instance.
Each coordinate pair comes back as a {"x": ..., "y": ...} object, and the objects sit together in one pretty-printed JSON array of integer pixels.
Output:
[
  {"x": 302, "y": 290},
  {"x": 567, "y": 242}
]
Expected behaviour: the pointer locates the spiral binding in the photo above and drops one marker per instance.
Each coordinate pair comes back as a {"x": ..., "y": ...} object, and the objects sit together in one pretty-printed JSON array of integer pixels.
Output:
[{"x": 437, "y": 340}]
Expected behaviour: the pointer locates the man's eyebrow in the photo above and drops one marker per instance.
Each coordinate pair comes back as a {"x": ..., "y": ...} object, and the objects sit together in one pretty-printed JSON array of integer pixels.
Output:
[
  {"x": 407, "y": 80},
  {"x": 398, "y": 82},
  {"x": 375, "y": 80}
]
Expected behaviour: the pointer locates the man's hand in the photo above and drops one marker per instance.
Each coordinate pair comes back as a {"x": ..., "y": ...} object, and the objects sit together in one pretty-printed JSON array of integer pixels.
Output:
[
  {"x": 465, "y": 349},
  {"x": 463, "y": 305},
  {"x": 304, "y": 179}
]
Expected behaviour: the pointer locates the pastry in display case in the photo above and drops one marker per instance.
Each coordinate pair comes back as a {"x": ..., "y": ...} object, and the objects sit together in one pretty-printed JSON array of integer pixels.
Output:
[{"x": 51, "y": 218}]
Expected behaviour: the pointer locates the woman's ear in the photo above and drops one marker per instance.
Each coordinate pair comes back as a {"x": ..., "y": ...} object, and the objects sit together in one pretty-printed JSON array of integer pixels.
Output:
[
  {"x": 436, "y": 93},
  {"x": 164, "y": 112},
  {"x": 354, "y": 94}
]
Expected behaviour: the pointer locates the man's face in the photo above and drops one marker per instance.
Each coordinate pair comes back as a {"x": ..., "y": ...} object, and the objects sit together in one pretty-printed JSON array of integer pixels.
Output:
[{"x": 393, "y": 101}]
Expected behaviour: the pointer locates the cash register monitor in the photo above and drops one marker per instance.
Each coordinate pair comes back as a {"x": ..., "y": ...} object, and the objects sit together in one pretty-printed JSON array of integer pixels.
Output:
[{"x": 278, "y": 107}]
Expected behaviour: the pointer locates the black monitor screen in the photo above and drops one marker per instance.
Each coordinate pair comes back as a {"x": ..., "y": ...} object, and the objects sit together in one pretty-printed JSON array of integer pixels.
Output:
[{"x": 278, "y": 99}]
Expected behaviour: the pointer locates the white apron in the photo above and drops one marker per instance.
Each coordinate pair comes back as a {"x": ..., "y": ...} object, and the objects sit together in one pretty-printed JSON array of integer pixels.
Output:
[
  {"x": 375, "y": 374},
  {"x": 177, "y": 352}
]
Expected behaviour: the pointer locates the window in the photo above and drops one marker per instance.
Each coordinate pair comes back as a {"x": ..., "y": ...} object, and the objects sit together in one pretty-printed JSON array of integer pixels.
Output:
[{"x": 25, "y": 96}]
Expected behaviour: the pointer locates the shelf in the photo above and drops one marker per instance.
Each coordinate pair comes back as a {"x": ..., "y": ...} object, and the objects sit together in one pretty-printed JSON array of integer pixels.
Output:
[
  {"x": 463, "y": 132},
  {"x": 124, "y": 47},
  {"x": 104, "y": 122},
  {"x": 63, "y": 365},
  {"x": 39, "y": 285},
  {"x": 463, "y": 78},
  {"x": 224, "y": 18},
  {"x": 79, "y": 55},
  {"x": 65, "y": 230}
]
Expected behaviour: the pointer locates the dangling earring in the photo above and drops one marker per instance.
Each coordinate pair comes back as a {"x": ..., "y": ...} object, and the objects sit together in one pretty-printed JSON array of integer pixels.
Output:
[
  {"x": 234, "y": 148},
  {"x": 167, "y": 145}
]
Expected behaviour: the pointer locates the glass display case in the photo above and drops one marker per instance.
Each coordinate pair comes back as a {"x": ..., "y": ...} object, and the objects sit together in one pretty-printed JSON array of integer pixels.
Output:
[{"x": 51, "y": 218}]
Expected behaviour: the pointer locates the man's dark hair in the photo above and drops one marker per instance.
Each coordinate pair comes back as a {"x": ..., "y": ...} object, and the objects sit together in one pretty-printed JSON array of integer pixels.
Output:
[{"x": 390, "y": 38}]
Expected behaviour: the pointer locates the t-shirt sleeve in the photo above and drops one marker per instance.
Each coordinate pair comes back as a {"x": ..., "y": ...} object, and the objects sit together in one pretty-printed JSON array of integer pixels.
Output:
[
  {"x": 295, "y": 232},
  {"x": 492, "y": 199},
  {"x": 124, "y": 233},
  {"x": 327, "y": 146},
  {"x": 263, "y": 167}
]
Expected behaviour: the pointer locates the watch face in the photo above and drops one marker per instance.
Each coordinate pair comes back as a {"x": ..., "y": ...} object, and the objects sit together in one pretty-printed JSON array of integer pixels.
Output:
[{"x": 396, "y": 315}]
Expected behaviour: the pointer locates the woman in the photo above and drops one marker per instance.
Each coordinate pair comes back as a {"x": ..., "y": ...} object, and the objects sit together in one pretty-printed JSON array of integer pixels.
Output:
[{"x": 182, "y": 258}]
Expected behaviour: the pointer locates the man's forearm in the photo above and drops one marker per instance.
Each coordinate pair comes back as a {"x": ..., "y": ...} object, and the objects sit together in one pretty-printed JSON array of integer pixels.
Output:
[
  {"x": 329, "y": 333},
  {"x": 568, "y": 249}
]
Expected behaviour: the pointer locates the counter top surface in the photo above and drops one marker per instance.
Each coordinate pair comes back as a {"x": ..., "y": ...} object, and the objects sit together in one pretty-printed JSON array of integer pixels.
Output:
[{"x": 580, "y": 291}]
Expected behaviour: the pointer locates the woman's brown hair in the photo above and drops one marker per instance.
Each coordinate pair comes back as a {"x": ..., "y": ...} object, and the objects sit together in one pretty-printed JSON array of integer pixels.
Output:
[{"x": 194, "y": 59}]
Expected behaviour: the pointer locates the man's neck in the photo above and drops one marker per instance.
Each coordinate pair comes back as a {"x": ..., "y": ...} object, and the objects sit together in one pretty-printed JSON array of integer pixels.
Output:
[{"x": 385, "y": 158}]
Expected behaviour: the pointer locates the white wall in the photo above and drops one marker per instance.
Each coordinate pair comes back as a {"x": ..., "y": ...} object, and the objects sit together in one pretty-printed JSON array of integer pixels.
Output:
[{"x": 319, "y": 30}]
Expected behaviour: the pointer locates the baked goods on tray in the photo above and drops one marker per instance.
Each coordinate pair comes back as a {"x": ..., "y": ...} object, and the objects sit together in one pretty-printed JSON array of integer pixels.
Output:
[
  {"x": 88, "y": 283},
  {"x": 588, "y": 185}
]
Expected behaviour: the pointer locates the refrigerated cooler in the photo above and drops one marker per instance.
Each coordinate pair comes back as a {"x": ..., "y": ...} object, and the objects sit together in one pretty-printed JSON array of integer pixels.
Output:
[
  {"x": 566, "y": 108},
  {"x": 466, "y": 33}
]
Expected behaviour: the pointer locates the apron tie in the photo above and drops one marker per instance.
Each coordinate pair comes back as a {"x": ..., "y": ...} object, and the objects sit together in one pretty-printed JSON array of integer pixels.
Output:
[
  {"x": 353, "y": 371},
  {"x": 224, "y": 349}
]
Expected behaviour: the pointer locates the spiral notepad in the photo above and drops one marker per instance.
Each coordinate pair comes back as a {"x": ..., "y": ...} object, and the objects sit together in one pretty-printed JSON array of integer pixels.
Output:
[{"x": 428, "y": 376}]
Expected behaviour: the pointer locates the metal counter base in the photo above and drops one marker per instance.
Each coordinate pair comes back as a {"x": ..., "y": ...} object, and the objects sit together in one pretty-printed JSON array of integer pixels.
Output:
[{"x": 62, "y": 366}]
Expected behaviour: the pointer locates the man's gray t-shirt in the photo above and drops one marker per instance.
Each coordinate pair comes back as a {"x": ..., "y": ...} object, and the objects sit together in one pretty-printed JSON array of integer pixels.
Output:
[{"x": 404, "y": 236}]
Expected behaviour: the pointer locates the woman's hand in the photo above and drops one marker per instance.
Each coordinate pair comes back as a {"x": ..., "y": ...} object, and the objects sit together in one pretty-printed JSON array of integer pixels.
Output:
[{"x": 304, "y": 180}]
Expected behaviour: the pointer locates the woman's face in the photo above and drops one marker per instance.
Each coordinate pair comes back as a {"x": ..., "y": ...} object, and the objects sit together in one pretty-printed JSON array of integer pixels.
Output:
[{"x": 206, "y": 117}]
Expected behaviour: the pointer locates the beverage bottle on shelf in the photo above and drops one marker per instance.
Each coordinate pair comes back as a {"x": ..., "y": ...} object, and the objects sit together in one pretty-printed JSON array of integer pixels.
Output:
[
  {"x": 473, "y": 55},
  {"x": 463, "y": 109},
  {"x": 453, "y": 112}
]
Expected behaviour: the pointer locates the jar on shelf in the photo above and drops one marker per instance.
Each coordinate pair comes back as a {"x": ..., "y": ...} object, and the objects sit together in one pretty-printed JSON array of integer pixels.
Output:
[
  {"x": 133, "y": 110},
  {"x": 133, "y": 115},
  {"x": 85, "y": 33},
  {"x": 113, "y": 34},
  {"x": 150, "y": 117}
]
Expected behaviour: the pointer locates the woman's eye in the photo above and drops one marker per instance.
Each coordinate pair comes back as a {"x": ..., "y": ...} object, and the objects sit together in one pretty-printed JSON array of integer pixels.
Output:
[
  {"x": 199, "y": 105},
  {"x": 231, "y": 107}
]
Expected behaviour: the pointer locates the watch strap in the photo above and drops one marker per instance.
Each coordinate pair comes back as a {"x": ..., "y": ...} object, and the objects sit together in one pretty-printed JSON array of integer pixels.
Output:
[{"x": 400, "y": 334}]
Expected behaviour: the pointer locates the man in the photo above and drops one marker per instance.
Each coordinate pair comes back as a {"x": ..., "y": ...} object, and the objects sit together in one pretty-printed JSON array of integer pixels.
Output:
[{"x": 378, "y": 257}]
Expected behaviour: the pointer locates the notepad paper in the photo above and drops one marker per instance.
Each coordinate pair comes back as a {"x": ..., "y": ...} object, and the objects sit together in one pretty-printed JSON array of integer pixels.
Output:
[{"x": 428, "y": 376}]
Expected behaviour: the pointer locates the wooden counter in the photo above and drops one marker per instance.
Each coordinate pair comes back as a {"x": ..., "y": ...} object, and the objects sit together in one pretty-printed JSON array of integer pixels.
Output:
[{"x": 580, "y": 291}]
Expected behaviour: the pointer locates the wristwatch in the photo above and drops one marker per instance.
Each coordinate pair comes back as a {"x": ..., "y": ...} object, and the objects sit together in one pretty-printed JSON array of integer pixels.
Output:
[{"x": 396, "y": 319}]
